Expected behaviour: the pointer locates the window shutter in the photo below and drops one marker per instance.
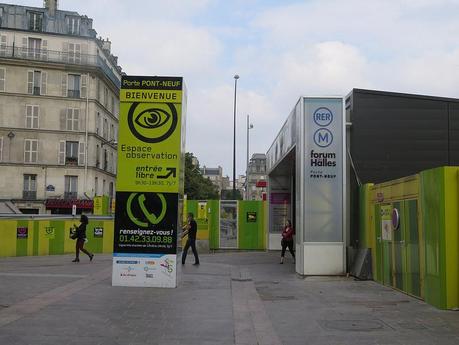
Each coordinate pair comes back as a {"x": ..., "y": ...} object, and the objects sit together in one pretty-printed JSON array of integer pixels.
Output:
[
  {"x": 61, "y": 155},
  {"x": 65, "y": 52},
  {"x": 2, "y": 79},
  {"x": 28, "y": 117},
  {"x": 44, "y": 49},
  {"x": 36, "y": 116},
  {"x": 24, "y": 47},
  {"x": 64, "y": 84},
  {"x": 76, "y": 119},
  {"x": 81, "y": 154},
  {"x": 34, "y": 146},
  {"x": 3, "y": 45},
  {"x": 30, "y": 82},
  {"x": 83, "y": 118},
  {"x": 44, "y": 81},
  {"x": 69, "y": 119},
  {"x": 63, "y": 119},
  {"x": 26, "y": 151},
  {"x": 84, "y": 53},
  {"x": 84, "y": 86},
  {"x": 77, "y": 53}
]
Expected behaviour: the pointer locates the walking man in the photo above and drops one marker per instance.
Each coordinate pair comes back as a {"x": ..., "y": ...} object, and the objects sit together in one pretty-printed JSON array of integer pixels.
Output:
[{"x": 191, "y": 229}]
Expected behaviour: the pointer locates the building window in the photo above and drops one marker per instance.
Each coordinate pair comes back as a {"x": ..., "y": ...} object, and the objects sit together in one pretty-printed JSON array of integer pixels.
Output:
[
  {"x": 32, "y": 112},
  {"x": 97, "y": 156},
  {"x": 2, "y": 79},
  {"x": 112, "y": 102},
  {"x": 105, "y": 160},
  {"x": 73, "y": 119},
  {"x": 71, "y": 187},
  {"x": 96, "y": 186},
  {"x": 98, "y": 90},
  {"x": 98, "y": 123},
  {"x": 30, "y": 150},
  {"x": 103, "y": 187},
  {"x": 112, "y": 132},
  {"x": 36, "y": 83},
  {"x": 34, "y": 48},
  {"x": 73, "y": 84},
  {"x": 74, "y": 53},
  {"x": 112, "y": 165},
  {"x": 1, "y": 149},
  {"x": 110, "y": 190},
  {"x": 105, "y": 97},
  {"x": 35, "y": 21},
  {"x": 105, "y": 129},
  {"x": 29, "y": 191},
  {"x": 73, "y": 25},
  {"x": 71, "y": 153}
]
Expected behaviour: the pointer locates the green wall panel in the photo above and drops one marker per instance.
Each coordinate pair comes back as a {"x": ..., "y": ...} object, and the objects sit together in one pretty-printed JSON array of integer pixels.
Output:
[
  {"x": 250, "y": 225},
  {"x": 22, "y": 243},
  {"x": 433, "y": 219}
]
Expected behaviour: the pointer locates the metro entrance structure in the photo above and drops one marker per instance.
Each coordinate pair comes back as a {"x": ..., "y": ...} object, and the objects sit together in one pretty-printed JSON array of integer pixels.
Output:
[{"x": 306, "y": 184}]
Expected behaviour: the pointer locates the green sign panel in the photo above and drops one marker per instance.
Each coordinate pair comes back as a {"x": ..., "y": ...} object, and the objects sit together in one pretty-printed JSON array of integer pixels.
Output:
[{"x": 149, "y": 146}]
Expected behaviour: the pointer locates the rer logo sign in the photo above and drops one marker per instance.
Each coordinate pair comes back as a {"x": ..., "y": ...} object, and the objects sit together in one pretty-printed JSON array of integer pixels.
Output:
[{"x": 323, "y": 117}]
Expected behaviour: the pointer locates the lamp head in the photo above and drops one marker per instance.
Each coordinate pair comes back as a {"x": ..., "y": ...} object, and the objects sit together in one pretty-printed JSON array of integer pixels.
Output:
[{"x": 236, "y": 77}]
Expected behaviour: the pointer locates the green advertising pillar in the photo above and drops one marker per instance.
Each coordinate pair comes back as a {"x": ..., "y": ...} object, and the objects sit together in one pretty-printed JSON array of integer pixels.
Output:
[{"x": 149, "y": 181}]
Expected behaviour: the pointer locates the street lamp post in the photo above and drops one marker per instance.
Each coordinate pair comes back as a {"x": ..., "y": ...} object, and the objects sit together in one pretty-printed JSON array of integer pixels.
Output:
[
  {"x": 236, "y": 77},
  {"x": 249, "y": 127}
]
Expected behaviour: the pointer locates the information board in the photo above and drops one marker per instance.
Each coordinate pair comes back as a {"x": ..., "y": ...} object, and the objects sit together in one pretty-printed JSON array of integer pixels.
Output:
[{"x": 150, "y": 149}]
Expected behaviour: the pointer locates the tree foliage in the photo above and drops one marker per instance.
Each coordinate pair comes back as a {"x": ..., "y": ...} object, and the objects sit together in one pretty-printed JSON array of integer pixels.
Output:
[
  {"x": 228, "y": 195},
  {"x": 197, "y": 187}
]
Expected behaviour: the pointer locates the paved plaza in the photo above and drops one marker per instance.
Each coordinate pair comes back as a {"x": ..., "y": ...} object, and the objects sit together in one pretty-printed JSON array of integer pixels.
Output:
[{"x": 231, "y": 298}]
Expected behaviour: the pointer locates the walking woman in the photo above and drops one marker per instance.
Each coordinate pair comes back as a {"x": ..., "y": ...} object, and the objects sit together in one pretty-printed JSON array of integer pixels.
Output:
[
  {"x": 80, "y": 237},
  {"x": 287, "y": 241}
]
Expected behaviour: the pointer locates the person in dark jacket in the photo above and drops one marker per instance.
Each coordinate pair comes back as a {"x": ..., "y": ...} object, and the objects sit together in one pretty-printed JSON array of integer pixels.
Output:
[
  {"x": 287, "y": 241},
  {"x": 81, "y": 238},
  {"x": 191, "y": 229}
]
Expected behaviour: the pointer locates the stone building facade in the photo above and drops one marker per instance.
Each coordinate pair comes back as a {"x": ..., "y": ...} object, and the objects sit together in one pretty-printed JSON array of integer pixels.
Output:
[{"x": 59, "y": 107}]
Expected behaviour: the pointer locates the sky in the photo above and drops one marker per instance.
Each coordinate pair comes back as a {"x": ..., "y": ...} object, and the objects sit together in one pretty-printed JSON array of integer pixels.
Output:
[{"x": 281, "y": 50}]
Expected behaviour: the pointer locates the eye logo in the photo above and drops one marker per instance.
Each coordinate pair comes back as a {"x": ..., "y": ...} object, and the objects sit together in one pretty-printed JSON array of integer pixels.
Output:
[
  {"x": 152, "y": 123},
  {"x": 147, "y": 215},
  {"x": 152, "y": 118}
]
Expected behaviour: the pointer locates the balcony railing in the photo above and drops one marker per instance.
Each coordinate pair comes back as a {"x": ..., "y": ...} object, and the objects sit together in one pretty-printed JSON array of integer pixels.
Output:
[
  {"x": 68, "y": 58},
  {"x": 29, "y": 194},
  {"x": 70, "y": 195}
]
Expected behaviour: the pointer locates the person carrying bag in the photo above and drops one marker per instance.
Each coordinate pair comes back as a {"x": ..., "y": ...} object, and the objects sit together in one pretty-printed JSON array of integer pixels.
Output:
[{"x": 80, "y": 236}]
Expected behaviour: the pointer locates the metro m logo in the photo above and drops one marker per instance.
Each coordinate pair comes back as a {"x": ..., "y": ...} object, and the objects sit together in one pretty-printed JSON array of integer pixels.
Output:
[{"x": 323, "y": 137}]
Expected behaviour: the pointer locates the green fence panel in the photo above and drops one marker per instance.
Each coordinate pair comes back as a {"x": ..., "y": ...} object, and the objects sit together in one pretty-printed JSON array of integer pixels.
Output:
[
  {"x": 250, "y": 225},
  {"x": 213, "y": 208},
  {"x": 433, "y": 219},
  {"x": 412, "y": 248}
]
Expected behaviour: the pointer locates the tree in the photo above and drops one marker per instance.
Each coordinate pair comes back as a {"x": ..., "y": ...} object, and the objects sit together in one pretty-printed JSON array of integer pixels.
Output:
[
  {"x": 197, "y": 187},
  {"x": 227, "y": 194}
]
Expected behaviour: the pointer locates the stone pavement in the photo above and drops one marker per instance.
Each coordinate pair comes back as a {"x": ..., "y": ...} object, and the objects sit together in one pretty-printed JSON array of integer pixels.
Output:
[{"x": 231, "y": 298}]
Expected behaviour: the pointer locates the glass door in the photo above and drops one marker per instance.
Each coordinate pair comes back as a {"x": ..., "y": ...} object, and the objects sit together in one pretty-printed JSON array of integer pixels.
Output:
[{"x": 228, "y": 224}]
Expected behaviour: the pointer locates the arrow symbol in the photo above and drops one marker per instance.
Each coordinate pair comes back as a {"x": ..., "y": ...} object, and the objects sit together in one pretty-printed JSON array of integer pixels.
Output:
[{"x": 171, "y": 171}]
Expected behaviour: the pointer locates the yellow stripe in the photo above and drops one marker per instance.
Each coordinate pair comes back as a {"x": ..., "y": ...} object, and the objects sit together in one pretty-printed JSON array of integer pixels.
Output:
[
  {"x": 151, "y": 96},
  {"x": 8, "y": 239}
]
